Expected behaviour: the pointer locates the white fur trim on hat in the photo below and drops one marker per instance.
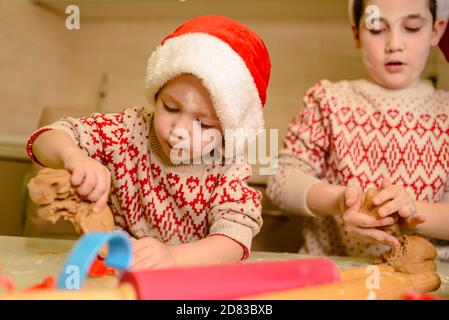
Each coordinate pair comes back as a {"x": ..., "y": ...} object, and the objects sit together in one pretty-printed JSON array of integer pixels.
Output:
[
  {"x": 222, "y": 71},
  {"x": 442, "y": 13}
]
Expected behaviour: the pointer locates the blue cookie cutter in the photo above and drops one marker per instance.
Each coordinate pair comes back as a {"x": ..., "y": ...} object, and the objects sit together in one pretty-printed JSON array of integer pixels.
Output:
[{"x": 82, "y": 256}]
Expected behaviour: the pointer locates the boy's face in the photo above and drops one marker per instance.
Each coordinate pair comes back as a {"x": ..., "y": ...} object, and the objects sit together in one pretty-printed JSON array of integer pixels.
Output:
[
  {"x": 185, "y": 120},
  {"x": 395, "y": 46}
]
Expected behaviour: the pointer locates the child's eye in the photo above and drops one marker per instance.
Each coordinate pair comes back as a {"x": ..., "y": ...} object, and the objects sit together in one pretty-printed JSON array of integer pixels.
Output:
[
  {"x": 376, "y": 31},
  {"x": 412, "y": 29},
  {"x": 206, "y": 126},
  {"x": 169, "y": 109}
]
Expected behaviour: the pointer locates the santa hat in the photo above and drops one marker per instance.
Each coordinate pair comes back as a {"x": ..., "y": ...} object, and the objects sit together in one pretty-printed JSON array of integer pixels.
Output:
[
  {"x": 230, "y": 59},
  {"x": 442, "y": 9}
]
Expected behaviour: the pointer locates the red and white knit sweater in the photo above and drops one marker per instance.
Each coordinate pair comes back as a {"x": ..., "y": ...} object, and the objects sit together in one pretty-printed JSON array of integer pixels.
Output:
[
  {"x": 151, "y": 197},
  {"x": 357, "y": 133}
]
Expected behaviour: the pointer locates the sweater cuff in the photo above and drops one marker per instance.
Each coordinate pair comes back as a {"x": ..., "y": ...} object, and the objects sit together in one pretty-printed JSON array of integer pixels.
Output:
[
  {"x": 29, "y": 147},
  {"x": 241, "y": 234},
  {"x": 294, "y": 195},
  {"x": 37, "y": 133}
]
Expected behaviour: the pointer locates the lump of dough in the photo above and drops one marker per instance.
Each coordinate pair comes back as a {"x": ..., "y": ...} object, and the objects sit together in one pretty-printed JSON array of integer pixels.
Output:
[
  {"x": 415, "y": 255},
  {"x": 49, "y": 185},
  {"x": 80, "y": 214},
  {"x": 52, "y": 190}
]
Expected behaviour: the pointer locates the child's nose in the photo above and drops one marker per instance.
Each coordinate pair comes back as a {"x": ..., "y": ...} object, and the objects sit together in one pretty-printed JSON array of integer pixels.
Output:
[
  {"x": 183, "y": 123},
  {"x": 178, "y": 134},
  {"x": 394, "y": 42},
  {"x": 181, "y": 129}
]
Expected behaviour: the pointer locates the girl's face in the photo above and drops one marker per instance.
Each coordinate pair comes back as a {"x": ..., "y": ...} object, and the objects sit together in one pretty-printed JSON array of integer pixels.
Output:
[
  {"x": 396, "y": 46},
  {"x": 185, "y": 120}
]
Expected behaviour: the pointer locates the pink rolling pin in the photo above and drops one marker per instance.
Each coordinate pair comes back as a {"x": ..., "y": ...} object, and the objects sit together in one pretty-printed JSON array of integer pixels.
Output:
[
  {"x": 219, "y": 282},
  {"x": 225, "y": 282}
]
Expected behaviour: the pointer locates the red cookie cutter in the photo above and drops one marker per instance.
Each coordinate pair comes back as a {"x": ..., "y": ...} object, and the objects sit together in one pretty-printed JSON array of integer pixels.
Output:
[
  {"x": 412, "y": 295},
  {"x": 99, "y": 269},
  {"x": 48, "y": 283}
]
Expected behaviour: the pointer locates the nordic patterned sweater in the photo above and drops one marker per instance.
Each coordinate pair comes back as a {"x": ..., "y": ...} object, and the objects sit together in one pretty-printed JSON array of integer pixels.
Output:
[
  {"x": 150, "y": 196},
  {"x": 357, "y": 133}
]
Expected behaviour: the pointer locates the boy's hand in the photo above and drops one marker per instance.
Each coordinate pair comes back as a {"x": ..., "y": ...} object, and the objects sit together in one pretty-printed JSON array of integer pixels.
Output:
[
  {"x": 398, "y": 200},
  {"x": 151, "y": 253},
  {"x": 361, "y": 225},
  {"x": 90, "y": 178}
]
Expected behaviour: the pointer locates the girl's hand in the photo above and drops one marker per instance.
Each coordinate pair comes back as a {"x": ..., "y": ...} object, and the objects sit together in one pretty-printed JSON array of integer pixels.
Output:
[
  {"x": 398, "y": 200},
  {"x": 151, "y": 253},
  {"x": 361, "y": 225},
  {"x": 90, "y": 178}
]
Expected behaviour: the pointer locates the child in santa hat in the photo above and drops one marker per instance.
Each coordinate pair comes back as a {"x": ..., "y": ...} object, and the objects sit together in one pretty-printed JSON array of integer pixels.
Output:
[
  {"x": 209, "y": 76},
  {"x": 388, "y": 131}
]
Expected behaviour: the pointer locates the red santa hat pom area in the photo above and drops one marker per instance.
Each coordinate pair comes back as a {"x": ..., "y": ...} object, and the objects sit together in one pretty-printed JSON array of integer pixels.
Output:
[{"x": 230, "y": 59}]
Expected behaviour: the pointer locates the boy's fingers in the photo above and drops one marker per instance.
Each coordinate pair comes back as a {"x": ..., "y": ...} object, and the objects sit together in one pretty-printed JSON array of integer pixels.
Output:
[
  {"x": 145, "y": 244},
  {"x": 96, "y": 194},
  {"x": 108, "y": 179},
  {"x": 406, "y": 212},
  {"x": 85, "y": 189},
  {"x": 77, "y": 177},
  {"x": 392, "y": 242},
  {"x": 419, "y": 219},
  {"x": 391, "y": 207},
  {"x": 98, "y": 191},
  {"x": 386, "y": 183},
  {"x": 385, "y": 195},
  {"x": 347, "y": 197},
  {"x": 137, "y": 245},
  {"x": 352, "y": 195},
  {"x": 143, "y": 265},
  {"x": 138, "y": 255},
  {"x": 140, "y": 261},
  {"x": 366, "y": 221},
  {"x": 144, "y": 259},
  {"x": 100, "y": 194},
  {"x": 350, "y": 202},
  {"x": 375, "y": 235},
  {"x": 101, "y": 203},
  {"x": 88, "y": 185},
  {"x": 412, "y": 222}
]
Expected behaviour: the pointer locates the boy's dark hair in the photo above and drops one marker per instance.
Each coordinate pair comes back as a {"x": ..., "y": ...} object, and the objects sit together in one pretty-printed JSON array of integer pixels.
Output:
[{"x": 359, "y": 6}]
